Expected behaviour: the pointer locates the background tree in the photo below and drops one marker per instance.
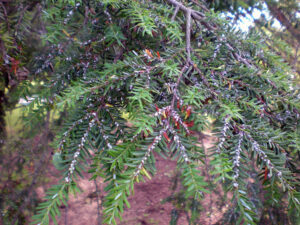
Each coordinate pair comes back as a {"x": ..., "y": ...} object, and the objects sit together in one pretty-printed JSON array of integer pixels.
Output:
[
  {"x": 283, "y": 40},
  {"x": 286, "y": 13},
  {"x": 18, "y": 19},
  {"x": 25, "y": 154}
]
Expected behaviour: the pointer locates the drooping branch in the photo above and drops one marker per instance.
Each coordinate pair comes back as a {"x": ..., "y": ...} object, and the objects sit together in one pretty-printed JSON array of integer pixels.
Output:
[
  {"x": 150, "y": 149},
  {"x": 175, "y": 13}
]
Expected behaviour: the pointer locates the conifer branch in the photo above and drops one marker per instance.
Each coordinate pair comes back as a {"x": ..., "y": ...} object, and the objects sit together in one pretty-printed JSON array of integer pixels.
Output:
[
  {"x": 180, "y": 146},
  {"x": 76, "y": 154},
  {"x": 195, "y": 14},
  {"x": 236, "y": 160},
  {"x": 113, "y": 92},
  {"x": 67, "y": 133},
  {"x": 150, "y": 149},
  {"x": 223, "y": 135}
]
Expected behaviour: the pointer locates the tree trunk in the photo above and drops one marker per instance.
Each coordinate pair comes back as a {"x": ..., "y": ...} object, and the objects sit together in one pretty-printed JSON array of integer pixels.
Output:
[
  {"x": 2, "y": 120},
  {"x": 279, "y": 15}
]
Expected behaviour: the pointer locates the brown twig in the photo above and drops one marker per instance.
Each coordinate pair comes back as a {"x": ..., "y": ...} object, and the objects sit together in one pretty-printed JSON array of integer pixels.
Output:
[
  {"x": 37, "y": 13},
  {"x": 190, "y": 13},
  {"x": 186, "y": 66},
  {"x": 21, "y": 17},
  {"x": 212, "y": 91},
  {"x": 202, "y": 6},
  {"x": 201, "y": 75},
  {"x": 237, "y": 56},
  {"x": 6, "y": 17},
  {"x": 86, "y": 15},
  {"x": 175, "y": 13},
  {"x": 188, "y": 34},
  {"x": 195, "y": 14}
]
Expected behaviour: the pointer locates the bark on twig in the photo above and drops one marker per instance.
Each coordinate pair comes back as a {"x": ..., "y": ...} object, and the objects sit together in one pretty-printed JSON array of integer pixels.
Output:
[
  {"x": 194, "y": 14},
  {"x": 21, "y": 17},
  {"x": 6, "y": 16},
  {"x": 86, "y": 15},
  {"x": 188, "y": 34},
  {"x": 202, "y": 6},
  {"x": 178, "y": 81},
  {"x": 175, "y": 13}
]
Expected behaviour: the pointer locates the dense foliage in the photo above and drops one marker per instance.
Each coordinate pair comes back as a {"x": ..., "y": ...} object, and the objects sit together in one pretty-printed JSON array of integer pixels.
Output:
[
  {"x": 24, "y": 155},
  {"x": 138, "y": 77}
]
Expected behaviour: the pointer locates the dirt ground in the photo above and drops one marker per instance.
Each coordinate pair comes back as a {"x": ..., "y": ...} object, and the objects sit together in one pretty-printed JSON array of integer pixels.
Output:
[{"x": 146, "y": 204}]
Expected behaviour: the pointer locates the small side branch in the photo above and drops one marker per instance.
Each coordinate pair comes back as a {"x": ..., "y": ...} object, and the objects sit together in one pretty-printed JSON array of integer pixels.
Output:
[
  {"x": 194, "y": 14},
  {"x": 175, "y": 13},
  {"x": 238, "y": 57},
  {"x": 197, "y": 15},
  {"x": 5, "y": 16},
  {"x": 177, "y": 83},
  {"x": 86, "y": 15},
  {"x": 21, "y": 17},
  {"x": 201, "y": 74},
  {"x": 188, "y": 34},
  {"x": 200, "y": 5}
]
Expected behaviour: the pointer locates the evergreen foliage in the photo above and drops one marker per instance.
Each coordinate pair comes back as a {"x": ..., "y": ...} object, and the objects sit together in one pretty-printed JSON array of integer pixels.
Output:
[
  {"x": 14, "y": 26},
  {"x": 139, "y": 77},
  {"x": 24, "y": 157}
]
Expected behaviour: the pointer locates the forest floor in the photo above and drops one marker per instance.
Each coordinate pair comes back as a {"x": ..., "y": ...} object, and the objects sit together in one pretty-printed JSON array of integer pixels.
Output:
[{"x": 148, "y": 204}]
